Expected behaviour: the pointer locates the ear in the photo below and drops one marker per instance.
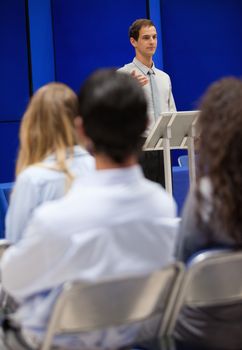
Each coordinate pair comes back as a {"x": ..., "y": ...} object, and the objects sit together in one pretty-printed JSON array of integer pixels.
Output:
[
  {"x": 82, "y": 137},
  {"x": 80, "y": 130},
  {"x": 78, "y": 123},
  {"x": 133, "y": 42}
]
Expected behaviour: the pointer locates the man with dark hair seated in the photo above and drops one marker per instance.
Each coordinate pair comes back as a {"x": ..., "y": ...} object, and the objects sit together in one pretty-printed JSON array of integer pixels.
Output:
[{"x": 110, "y": 223}]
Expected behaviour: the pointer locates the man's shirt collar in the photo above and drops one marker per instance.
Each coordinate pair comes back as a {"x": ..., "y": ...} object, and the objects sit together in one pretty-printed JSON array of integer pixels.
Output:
[{"x": 144, "y": 69}]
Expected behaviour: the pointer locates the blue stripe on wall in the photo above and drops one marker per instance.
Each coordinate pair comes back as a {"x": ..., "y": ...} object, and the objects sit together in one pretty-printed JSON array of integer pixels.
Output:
[
  {"x": 14, "y": 79},
  {"x": 155, "y": 16},
  {"x": 41, "y": 42}
]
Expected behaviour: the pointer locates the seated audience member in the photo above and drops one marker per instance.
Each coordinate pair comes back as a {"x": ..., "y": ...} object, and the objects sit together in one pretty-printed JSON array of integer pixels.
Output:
[
  {"x": 212, "y": 216},
  {"x": 110, "y": 224},
  {"x": 49, "y": 158}
]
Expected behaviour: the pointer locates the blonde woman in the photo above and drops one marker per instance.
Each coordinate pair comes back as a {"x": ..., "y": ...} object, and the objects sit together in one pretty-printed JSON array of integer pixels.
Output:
[{"x": 49, "y": 158}]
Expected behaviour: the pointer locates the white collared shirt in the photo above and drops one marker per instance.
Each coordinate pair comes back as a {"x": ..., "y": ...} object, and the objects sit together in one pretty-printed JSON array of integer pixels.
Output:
[{"x": 112, "y": 223}]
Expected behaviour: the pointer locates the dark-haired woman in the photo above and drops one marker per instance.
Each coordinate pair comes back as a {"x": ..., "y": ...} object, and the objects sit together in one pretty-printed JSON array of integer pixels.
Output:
[{"x": 212, "y": 215}]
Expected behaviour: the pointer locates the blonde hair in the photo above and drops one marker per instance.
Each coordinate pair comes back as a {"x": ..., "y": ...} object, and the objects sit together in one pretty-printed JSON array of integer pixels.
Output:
[{"x": 47, "y": 128}]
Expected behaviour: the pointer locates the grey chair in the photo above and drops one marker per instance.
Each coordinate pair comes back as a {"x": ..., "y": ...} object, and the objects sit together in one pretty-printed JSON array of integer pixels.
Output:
[
  {"x": 5, "y": 190},
  {"x": 213, "y": 278},
  {"x": 88, "y": 307}
]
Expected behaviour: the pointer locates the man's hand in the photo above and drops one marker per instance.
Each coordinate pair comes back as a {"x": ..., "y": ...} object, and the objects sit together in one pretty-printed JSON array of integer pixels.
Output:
[{"x": 142, "y": 79}]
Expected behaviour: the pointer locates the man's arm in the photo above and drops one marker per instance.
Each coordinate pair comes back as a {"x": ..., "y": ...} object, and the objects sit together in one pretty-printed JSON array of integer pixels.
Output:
[
  {"x": 27, "y": 267},
  {"x": 141, "y": 78}
]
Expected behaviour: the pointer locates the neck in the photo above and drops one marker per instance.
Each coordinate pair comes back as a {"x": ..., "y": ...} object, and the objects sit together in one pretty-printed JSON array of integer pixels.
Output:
[
  {"x": 104, "y": 162},
  {"x": 146, "y": 60}
]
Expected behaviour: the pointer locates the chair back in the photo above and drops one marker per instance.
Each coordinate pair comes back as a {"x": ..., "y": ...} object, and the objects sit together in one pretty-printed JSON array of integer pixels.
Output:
[
  {"x": 181, "y": 183},
  {"x": 5, "y": 190},
  {"x": 213, "y": 278},
  {"x": 183, "y": 161},
  {"x": 94, "y": 306}
]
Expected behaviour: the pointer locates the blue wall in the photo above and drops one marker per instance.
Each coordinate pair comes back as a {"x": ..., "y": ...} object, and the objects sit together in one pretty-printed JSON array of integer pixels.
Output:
[
  {"x": 41, "y": 42},
  {"x": 83, "y": 36},
  {"x": 8, "y": 150},
  {"x": 92, "y": 34},
  {"x": 14, "y": 81},
  {"x": 201, "y": 43},
  {"x": 64, "y": 40}
]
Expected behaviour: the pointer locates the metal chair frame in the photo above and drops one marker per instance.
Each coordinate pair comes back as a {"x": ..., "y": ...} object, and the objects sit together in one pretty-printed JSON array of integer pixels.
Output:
[
  {"x": 212, "y": 278},
  {"x": 87, "y": 307}
]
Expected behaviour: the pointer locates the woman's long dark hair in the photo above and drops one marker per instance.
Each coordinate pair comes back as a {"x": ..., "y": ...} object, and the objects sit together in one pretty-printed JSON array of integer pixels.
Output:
[{"x": 220, "y": 156}]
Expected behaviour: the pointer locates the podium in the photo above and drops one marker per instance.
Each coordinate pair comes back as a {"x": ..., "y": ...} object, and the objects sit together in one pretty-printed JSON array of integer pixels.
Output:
[{"x": 174, "y": 130}]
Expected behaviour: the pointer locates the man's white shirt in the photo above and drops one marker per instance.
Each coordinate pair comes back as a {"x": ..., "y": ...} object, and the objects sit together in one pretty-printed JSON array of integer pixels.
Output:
[
  {"x": 112, "y": 223},
  {"x": 163, "y": 83}
]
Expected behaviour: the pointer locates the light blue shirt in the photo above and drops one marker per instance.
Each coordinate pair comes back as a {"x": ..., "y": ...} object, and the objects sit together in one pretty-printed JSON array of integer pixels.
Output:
[
  {"x": 163, "y": 83},
  {"x": 112, "y": 223},
  {"x": 36, "y": 185}
]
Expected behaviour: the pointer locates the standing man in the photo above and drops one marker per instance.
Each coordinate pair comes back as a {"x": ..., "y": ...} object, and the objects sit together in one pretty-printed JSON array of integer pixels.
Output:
[
  {"x": 112, "y": 223},
  {"x": 157, "y": 87}
]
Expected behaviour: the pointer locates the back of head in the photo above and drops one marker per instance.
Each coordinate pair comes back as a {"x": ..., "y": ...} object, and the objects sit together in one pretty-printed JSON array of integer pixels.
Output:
[
  {"x": 220, "y": 153},
  {"x": 221, "y": 126},
  {"x": 47, "y": 125},
  {"x": 114, "y": 112},
  {"x": 135, "y": 27}
]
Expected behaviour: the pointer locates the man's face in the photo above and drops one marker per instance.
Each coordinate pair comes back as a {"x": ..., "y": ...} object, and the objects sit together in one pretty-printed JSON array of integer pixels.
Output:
[{"x": 147, "y": 41}]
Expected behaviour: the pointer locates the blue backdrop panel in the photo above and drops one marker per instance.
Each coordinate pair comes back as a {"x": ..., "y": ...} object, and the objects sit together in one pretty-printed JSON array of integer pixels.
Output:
[
  {"x": 14, "y": 86},
  {"x": 154, "y": 12},
  {"x": 8, "y": 150},
  {"x": 92, "y": 34},
  {"x": 41, "y": 42},
  {"x": 202, "y": 42}
]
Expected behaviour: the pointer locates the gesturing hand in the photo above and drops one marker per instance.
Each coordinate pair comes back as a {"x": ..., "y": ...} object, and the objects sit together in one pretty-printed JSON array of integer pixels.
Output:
[{"x": 142, "y": 79}]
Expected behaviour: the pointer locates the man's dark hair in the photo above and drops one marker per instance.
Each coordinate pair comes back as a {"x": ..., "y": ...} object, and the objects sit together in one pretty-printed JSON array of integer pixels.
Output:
[
  {"x": 114, "y": 111},
  {"x": 135, "y": 27}
]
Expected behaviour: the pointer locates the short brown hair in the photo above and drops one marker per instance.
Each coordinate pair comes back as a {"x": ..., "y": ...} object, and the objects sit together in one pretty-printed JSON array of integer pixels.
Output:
[{"x": 137, "y": 25}]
